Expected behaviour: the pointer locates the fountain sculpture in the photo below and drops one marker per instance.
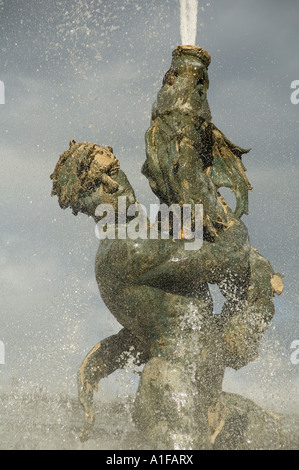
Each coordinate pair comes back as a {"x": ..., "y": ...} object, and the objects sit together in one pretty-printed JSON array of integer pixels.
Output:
[{"x": 156, "y": 288}]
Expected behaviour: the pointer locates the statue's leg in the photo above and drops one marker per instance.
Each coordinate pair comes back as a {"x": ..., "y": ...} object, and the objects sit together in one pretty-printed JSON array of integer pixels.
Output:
[
  {"x": 174, "y": 393},
  {"x": 167, "y": 408},
  {"x": 105, "y": 357},
  {"x": 234, "y": 287},
  {"x": 243, "y": 331}
]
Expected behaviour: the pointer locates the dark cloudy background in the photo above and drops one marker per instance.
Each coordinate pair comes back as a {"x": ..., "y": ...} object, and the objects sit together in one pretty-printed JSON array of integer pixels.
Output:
[{"x": 90, "y": 70}]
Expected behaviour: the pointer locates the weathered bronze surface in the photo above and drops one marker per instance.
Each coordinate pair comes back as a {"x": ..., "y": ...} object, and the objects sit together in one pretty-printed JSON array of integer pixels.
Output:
[
  {"x": 156, "y": 289},
  {"x": 185, "y": 150}
]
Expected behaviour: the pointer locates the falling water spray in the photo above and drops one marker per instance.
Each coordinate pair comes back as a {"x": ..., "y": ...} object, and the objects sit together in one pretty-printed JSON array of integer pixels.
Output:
[{"x": 188, "y": 13}]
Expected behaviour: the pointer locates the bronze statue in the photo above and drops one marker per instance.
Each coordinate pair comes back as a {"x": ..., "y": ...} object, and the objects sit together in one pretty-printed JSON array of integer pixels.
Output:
[{"x": 156, "y": 289}]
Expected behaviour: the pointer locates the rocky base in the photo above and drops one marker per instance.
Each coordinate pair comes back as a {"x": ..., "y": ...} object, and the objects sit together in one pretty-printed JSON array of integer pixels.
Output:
[
  {"x": 239, "y": 424},
  {"x": 36, "y": 421},
  {"x": 246, "y": 426}
]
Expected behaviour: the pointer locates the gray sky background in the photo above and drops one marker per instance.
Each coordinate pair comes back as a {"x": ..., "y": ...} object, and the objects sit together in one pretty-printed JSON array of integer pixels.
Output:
[{"x": 90, "y": 70}]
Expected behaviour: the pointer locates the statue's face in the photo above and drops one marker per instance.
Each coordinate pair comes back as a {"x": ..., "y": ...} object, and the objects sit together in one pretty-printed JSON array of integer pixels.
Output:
[{"x": 105, "y": 194}]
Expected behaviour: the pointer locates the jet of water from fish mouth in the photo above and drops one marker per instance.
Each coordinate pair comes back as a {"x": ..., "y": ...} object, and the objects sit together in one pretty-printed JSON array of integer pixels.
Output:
[{"x": 188, "y": 14}]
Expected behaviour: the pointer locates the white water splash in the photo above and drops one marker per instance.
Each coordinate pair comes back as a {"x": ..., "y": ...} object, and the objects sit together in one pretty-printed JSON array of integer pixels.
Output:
[{"x": 188, "y": 9}]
